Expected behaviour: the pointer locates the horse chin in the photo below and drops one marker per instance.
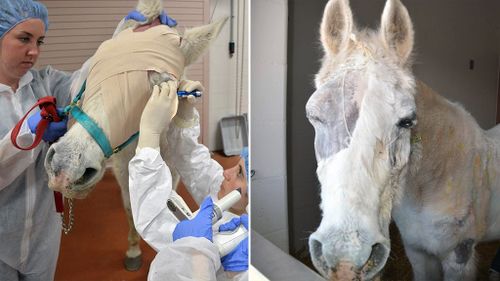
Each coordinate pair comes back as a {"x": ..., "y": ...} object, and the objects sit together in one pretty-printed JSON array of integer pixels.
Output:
[
  {"x": 78, "y": 194},
  {"x": 344, "y": 271}
]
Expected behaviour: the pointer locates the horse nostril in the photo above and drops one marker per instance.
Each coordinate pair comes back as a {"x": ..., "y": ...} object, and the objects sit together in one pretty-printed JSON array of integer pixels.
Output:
[
  {"x": 87, "y": 175},
  {"x": 316, "y": 248},
  {"x": 376, "y": 261},
  {"x": 50, "y": 155}
]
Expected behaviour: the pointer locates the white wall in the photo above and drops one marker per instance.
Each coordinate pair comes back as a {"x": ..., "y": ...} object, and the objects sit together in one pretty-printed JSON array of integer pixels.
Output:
[
  {"x": 228, "y": 76},
  {"x": 268, "y": 124},
  {"x": 448, "y": 34}
]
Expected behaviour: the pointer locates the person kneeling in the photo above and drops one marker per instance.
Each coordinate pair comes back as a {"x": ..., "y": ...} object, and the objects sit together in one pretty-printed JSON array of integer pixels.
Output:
[{"x": 185, "y": 249}]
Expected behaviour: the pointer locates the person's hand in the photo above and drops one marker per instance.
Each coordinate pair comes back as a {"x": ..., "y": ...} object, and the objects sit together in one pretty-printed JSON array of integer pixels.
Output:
[
  {"x": 199, "y": 226},
  {"x": 156, "y": 116},
  {"x": 54, "y": 131},
  {"x": 164, "y": 18},
  {"x": 135, "y": 15},
  {"x": 236, "y": 260},
  {"x": 186, "y": 104}
]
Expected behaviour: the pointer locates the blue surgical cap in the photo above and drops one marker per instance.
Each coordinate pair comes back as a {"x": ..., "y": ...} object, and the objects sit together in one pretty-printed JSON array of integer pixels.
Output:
[
  {"x": 13, "y": 12},
  {"x": 244, "y": 156}
]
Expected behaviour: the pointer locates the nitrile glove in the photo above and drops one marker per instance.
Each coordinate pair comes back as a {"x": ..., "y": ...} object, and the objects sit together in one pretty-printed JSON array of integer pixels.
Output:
[
  {"x": 236, "y": 260},
  {"x": 164, "y": 18},
  {"x": 234, "y": 223},
  {"x": 135, "y": 15},
  {"x": 199, "y": 226},
  {"x": 54, "y": 131}
]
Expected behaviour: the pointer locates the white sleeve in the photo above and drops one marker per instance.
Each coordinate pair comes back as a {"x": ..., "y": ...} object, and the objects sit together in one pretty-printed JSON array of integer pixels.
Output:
[
  {"x": 199, "y": 172},
  {"x": 150, "y": 185},
  {"x": 189, "y": 258},
  {"x": 14, "y": 161}
]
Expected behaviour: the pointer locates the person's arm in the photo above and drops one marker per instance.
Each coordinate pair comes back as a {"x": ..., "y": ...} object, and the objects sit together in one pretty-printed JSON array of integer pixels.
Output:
[
  {"x": 199, "y": 172},
  {"x": 14, "y": 161},
  {"x": 150, "y": 185},
  {"x": 61, "y": 84},
  {"x": 192, "y": 255},
  {"x": 190, "y": 258},
  {"x": 150, "y": 181}
]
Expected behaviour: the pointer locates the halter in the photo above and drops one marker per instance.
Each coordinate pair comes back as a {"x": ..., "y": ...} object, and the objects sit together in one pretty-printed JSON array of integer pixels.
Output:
[
  {"x": 92, "y": 128},
  {"x": 415, "y": 138},
  {"x": 368, "y": 53}
]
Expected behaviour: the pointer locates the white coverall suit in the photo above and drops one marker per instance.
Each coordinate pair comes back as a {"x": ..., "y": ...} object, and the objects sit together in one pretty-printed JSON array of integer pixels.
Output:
[
  {"x": 189, "y": 258},
  {"x": 30, "y": 228}
]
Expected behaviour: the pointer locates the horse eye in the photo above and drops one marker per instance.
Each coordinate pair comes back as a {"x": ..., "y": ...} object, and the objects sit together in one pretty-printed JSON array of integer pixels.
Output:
[
  {"x": 405, "y": 123},
  {"x": 316, "y": 120},
  {"x": 313, "y": 118}
]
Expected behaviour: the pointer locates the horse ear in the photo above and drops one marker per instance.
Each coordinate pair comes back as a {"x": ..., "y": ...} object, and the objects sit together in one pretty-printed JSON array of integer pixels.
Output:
[
  {"x": 150, "y": 8},
  {"x": 397, "y": 30},
  {"x": 197, "y": 39},
  {"x": 336, "y": 26}
]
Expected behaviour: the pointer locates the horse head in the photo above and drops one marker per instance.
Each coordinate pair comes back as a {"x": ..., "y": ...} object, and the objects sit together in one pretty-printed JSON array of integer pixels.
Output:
[
  {"x": 363, "y": 111},
  {"x": 77, "y": 162}
]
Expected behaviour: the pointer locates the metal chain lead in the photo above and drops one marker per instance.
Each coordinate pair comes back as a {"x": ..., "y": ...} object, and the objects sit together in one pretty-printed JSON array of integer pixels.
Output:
[{"x": 67, "y": 227}]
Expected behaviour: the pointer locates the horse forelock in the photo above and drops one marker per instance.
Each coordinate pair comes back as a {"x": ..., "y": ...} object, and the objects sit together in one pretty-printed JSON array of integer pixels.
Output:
[{"x": 343, "y": 81}]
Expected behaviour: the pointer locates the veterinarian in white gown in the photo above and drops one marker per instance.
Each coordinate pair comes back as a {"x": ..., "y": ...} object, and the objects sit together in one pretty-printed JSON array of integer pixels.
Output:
[
  {"x": 151, "y": 185},
  {"x": 30, "y": 228}
]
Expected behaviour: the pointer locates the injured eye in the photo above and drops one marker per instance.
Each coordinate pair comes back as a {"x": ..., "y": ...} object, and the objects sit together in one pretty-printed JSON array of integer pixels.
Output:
[
  {"x": 406, "y": 123},
  {"x": 314, "y": 119}
]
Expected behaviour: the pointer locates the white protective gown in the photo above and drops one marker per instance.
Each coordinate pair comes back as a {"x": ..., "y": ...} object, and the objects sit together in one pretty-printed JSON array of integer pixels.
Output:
[
  {"x": 189, "y": 258},
  {"x": 30, "y": 228}
]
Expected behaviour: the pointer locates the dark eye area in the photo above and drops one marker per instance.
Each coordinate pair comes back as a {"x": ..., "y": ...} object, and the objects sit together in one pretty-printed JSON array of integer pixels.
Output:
[
  {"x": 406, "y": 123},
  {"x": 313, "y": 118}
]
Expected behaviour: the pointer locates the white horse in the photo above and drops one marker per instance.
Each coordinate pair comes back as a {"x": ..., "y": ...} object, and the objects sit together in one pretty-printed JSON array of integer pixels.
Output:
[
  {"x": 76, "y": 162},
  {"x": 387, "y": 146}
]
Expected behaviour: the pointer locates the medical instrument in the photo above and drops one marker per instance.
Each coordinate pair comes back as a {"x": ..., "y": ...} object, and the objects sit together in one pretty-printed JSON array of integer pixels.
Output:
[
  {"x": 181, "y": 211},
  {"x": 226, "y": 241},
  {"x": 178, "y": 207},
  {"x": 195, "y": 93},
  {"x": 224, "y": 204}
]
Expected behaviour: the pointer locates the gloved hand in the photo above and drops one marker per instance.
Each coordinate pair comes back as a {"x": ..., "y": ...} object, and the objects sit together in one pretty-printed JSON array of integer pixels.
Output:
[
  {"x": 237, "y": 260},
  {"x": 135, "y": 15},
  {"x": 54, "y": 131},
  {"x": 156, "y": 116},
  {"x": 199, "y": 226},
  {"x": 164, "y": 18},
  {"x": 185, "y": 114}
]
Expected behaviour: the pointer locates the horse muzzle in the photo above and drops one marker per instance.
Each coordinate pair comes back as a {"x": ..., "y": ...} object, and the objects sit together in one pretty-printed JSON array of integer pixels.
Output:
[
  {"x": 71, "y": 173},
  {"x": 342, "y": 256}
]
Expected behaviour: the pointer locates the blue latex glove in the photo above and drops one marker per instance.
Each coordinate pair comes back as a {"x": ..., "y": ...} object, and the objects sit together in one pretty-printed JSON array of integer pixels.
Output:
[
  {"x": 164, "y": 18},
  {"x": 54, "y": 131},
  {"x": 199, "y": 226},
  {"x": 135, "y": 15},
  {"x": 237, "y": 260}
]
